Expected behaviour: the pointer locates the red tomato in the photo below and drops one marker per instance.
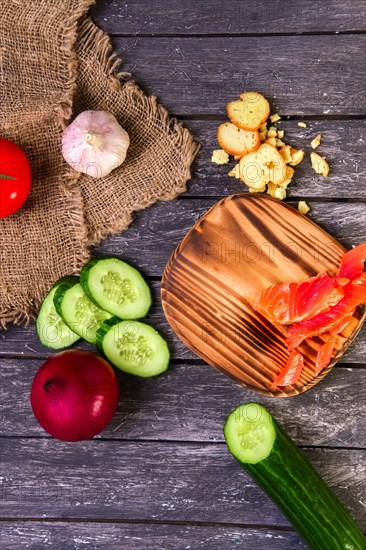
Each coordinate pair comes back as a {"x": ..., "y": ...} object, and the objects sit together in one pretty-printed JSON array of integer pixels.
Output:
[{"x": 15, "y": 178}]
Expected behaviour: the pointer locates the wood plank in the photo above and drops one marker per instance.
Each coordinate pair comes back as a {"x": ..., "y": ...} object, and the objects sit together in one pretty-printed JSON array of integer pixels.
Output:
[
  {"x": 171, "y": 407},
  {"x": 155, "y": 233},
  {"x": 300, "y": 75},
  {"x": 134, "y": 536},
  {"x": 217, "y": 17},
  {"x": 343, "y": 144},
  {"x": 156, "y": 481},
  {"x": 152, "y": 238}
]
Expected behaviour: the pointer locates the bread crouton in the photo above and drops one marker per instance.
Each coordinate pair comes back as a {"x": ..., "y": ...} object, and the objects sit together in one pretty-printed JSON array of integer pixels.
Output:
[
  {"x": 235, "y": 172},
  {"x": 285, "y": 153},
  {"x": 316, "y": 141},
  {"x": 288, "y": 177},
  {"x": 303, "y": 207},
  {"x": 262, "y": 166},
  {"x": 319, "y": 164},
  {"x": 272, "y": 132},
  {"x": 272, "y": 141},
  {"x": 249, "y": 111},
  {"x": 263, "y": 131},
  {"x": 297, "y": 156},
  {"x": 275, "y": 118},
  {"x": 220, "y": 157},
  {"x": 235, "y": 141}
]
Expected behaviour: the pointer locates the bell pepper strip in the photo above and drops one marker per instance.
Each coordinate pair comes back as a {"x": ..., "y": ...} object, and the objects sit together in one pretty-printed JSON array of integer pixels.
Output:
[
  {"x": 354, "y": 295},
  {"x": 289, "y": 303},
  {"x": 324, "y": 356},
  {"x": 353, "y": 263},
  {"x": 292, "y": 370}
]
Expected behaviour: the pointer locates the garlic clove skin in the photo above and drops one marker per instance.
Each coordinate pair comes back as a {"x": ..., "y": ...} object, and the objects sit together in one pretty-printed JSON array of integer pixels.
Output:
[{"x": 95, "y": 143}]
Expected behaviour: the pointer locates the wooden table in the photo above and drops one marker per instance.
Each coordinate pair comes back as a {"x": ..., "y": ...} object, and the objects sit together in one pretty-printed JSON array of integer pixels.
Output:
[{"x": 160, "y": 475}]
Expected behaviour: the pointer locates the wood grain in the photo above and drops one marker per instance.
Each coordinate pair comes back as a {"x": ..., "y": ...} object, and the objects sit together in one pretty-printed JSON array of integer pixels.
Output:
[
  {"x": 343, "y": 144},
  {"x": 23, "y": 341},
  {"x": 229, "y": 17},
  {"x": 240, "y": 247},
  {"x": 170, "y": 407},
  {"x": 135, "y": 536},
  {"x": 154, "y": 481},
  {"x": 299, "y": 75},
  {"x": 156, "y": 232}
]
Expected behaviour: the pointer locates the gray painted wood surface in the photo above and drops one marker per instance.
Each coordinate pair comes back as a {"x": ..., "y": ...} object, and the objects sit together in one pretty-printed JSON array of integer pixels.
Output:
[
  {"x": 149, "y": 536},
  {"x": 229, "y": 16},
  {"x": 160, "y": 476},
  {"x": 302, "y": 75}
]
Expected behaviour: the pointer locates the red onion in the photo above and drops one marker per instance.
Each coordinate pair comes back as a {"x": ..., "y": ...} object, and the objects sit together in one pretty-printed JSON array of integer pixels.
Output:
[{"x": 74, "y": 395}]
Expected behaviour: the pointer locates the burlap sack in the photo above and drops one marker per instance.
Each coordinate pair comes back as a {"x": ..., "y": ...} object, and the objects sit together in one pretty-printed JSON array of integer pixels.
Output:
[{"x": 54, "y": 63}]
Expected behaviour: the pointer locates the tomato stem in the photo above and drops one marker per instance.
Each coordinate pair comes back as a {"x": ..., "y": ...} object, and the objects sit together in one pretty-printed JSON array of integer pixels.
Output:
[{"x": 4, "y": 177}]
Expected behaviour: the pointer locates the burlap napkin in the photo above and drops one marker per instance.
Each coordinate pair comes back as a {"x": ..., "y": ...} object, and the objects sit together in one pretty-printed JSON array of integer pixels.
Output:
[{"x": 54, "y": 63}]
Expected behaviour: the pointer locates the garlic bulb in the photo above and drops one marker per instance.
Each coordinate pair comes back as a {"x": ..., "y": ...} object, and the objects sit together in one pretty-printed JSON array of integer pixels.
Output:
[{"x": 94, "y": 143}]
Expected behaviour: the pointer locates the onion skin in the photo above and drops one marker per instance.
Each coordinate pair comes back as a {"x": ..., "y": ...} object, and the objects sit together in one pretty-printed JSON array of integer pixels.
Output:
[{"x": 74, "y": 395}]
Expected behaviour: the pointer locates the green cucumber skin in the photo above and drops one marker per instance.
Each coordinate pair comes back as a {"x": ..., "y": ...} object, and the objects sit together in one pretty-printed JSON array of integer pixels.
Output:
[
  {"x": 103, "y": 330},
  {"x": 84, "y": 276},
  {"x": 294, "y": 485},
  {"x": 53, "y": 346},
  {"x": 67, "y": 282}
]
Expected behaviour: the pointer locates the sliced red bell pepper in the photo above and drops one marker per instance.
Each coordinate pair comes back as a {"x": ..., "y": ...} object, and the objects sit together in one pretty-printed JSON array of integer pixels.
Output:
[
  {"x": 354, "y": 295},
  {"x": 324, "y": 356},
  {"x": 294, "y": 302},
  {"x": 291, "y": 371},
  {"x": 352, "y": 264}
]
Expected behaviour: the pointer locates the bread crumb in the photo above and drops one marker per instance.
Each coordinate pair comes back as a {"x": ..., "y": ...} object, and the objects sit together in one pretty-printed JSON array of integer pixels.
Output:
[
  {"x": 285, "y": 153},
  {"x": 280, "y": 134},
  {"x": 275, "y": 118},
  {"x": 219, "y": 156},
  {"x": 302, "y": 124},
  {"x": 280, "y": 143},
  {"x": 288, "y": 177},
  {"x": 297, "y": 156},
  {"x": 272, "y": 132},
  {"x": 303, "y": 207},
  {"x": 280, "y": 193},
  {"x": 319, "y": 164},
  {"x": 271, "y": 188},
  {"x": 251, "y": 190},
  {"x": 235, "y": 172},
  {"x": 271, "y": 141},
  {"x": 316, "y": 141},
  {"x": 263, "y": 131}
]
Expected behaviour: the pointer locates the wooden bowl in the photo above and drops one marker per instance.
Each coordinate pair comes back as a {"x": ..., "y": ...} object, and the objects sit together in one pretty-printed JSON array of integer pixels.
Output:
[{"x": 242, "y": 245}]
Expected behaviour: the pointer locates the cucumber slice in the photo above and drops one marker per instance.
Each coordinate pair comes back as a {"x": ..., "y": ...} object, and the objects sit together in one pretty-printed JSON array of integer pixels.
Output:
[
  {"x": 133, "y": 347},
  {"x": 250, "y": 433},
  {"x": 270, "y": 456},
  {"x": 78, "y": 312},
  {"x": 51, "y": 329},
  {"x": 116, "y": 287}
]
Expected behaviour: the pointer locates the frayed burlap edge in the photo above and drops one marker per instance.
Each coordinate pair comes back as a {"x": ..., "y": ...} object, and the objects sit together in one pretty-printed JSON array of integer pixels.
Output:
[
  {"x": 23, "y": 313},
  {"x": 180, "y": 136}
]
